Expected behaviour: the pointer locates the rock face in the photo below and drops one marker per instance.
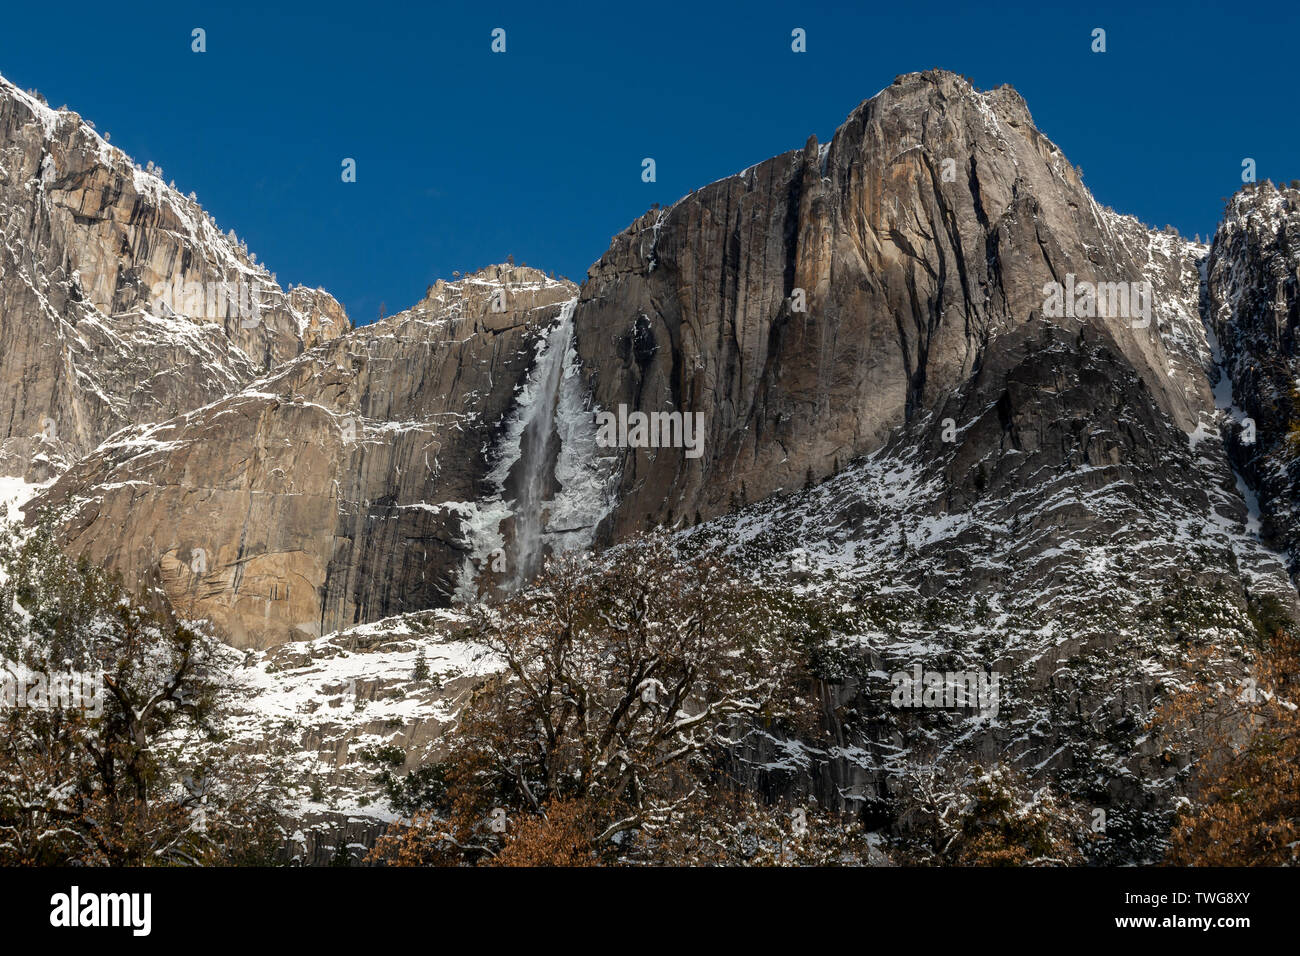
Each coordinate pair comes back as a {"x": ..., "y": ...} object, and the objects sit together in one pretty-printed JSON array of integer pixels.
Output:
[
  {"x": 922, "y": 232},
  {"x": 1066, "y": 514},
  {"x": 355, "y": 482},
  {"x": 120, "y": 301},
  {"x": 1253, "y": 287},
  {"x": 887, "y": 293}
]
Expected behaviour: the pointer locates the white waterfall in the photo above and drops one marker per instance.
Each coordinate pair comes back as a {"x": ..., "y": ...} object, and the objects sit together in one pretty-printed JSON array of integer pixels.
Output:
[
  {"x": 534, "y": 471},
  {"x": 551, "y": 483}
]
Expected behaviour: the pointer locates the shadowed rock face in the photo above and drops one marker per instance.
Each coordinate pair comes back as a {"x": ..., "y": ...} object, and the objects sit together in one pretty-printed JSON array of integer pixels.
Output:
[
  {"x": 119, "y": 298},
  {"x": 1066, "y": 536},
  {"x": 1253, "y": 289},
  {"x": 924, "y": 230},
  {"x": 344, "y": 487}
]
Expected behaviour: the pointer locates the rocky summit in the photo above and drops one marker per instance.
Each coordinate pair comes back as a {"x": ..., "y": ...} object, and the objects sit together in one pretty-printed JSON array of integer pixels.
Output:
[
  {"x": 121, "y": 302},
  {"x": 934, "y": 381}
]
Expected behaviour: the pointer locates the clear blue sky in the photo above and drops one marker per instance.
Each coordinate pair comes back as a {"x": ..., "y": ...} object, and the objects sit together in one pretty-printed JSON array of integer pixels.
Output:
[{"x": 465, "y": 156}]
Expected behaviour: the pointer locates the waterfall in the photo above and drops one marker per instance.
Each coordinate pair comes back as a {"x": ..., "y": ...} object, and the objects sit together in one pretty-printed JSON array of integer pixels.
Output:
[
  {"x": 532, "y": 479},
  {"x": 552, "y": 484}
]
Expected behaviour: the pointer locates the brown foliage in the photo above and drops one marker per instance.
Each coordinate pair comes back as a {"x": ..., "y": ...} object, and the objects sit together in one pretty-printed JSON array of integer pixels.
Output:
[
  {"x": 562, "y": 836},
  {"x": 1246, "y": 805}
]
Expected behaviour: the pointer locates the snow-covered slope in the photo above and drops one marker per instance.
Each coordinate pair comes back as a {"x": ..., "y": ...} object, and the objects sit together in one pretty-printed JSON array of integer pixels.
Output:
[{"x": 335, "y": 699}]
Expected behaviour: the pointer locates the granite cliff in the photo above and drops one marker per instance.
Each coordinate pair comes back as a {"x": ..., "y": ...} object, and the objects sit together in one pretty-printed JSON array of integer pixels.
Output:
[
  {"x": 121, "y": 303},
  {"x": 805, "y": 308}
]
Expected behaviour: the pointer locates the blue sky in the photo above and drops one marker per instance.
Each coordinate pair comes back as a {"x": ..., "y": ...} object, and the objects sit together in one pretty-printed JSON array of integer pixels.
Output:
[{"x": 465, "y": 156}]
